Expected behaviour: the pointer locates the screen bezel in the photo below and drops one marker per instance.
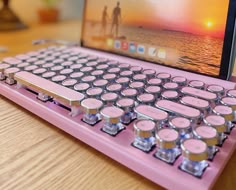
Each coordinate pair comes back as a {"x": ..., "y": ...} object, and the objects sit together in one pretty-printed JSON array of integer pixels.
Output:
[{"x": 226, "y": 50}]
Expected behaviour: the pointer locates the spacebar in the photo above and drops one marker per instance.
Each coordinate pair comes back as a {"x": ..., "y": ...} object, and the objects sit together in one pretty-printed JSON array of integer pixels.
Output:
[{"x": 58, "y": 92}]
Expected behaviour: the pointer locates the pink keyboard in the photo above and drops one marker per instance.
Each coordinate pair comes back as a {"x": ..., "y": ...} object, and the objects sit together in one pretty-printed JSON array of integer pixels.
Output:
[{"x": 173, "y": 127}]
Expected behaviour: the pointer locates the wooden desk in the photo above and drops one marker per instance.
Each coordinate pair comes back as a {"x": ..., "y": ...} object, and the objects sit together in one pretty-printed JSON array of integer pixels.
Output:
[{"x": 36, "y": 155}]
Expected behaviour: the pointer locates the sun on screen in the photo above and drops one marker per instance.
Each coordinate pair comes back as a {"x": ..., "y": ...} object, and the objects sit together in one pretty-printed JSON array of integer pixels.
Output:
[{"x": 209, "y": 24}]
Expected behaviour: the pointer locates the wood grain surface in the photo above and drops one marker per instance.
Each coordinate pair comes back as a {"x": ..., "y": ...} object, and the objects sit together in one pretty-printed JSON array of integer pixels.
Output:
[{"x": 36, "y": 155}]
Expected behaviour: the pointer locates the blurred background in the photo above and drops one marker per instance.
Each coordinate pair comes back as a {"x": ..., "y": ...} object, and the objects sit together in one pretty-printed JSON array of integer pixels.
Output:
[
  {"x": 23, "y": 21},
  {"x": 28, "y": 10}
]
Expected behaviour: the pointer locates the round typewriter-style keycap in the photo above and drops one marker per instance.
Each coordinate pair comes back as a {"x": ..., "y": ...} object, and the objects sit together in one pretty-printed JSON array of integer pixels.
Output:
[
  {"x": 91, "y": 105},
  {"x": 64, "y": 56},
  {"x": 82, "y": 61},
  {"x": 224, "y": 111},
  {"x": 137, "y": 85},
  {"x": 102, "y": 60},
  {"x": 58, "y": 78},
  {"x": 124, "y": 81},
  {"x": 129, "y": 93},
  {"x": 10, "y": 72},
  {"x": 155, "y": 90},
  {"x": 182, "y": 81},
  {"x": 194, "y": 150},
  {"x": 124, "y": 66},
  {"x": 92, "y": 58},
  {"x": 112, "y": 63},
  {"x": 48, "y": 65},
  {"x": 97, "y": 73},
  {"x": 83, "y": 55},
  {"x": 114, "y": 70},
  {"x": 144, "y": 128},
  {"x": 112, "y": 114},
  {"x": 207, "y": 134},
  {"x": 171, "y": 86},
  {"x": 136, "y": 69},
  {"x": 57, "y": 68},
  {"x": 49, "y": 74},
  {"x": 217, "y": 122},
  {"x": 76, "y": 66},
  {"x": 88, "y": 79},
  {"x": 219, "y": 90},
  {"x": 66, "y": 71},
  {"x": 125, "y": 103},
  {"x": 69, "y": 82},
  {"x": 39, "y": 71},
  {"x": 56, "y": 54},
  {"x": 73, "y": 59},
  {"x": 197, "y": 84},
  {"x": 75, "y": 53},
  {"x": 49, "y": 59},
  {"x": 114, "y": 87},
  {"x": 58, "y": 61},
  {"x": 140, "y": 77},
  {"x": 81, "y": 87},
  {"x": 76, "y": 75},
  {"x": 150, "y": 73},
  {"x": 167, "y": 138},
  {"x": 146, "y": 98},
  {"x": 102, "y": 67},
  {"x": 100, "y": 83},
  {"x": 109, "y": 77},
  {"x": 67, "y": 64},
  {"x": 94, "y": 92},
  {"x": 86, "y": 69},
  {"x": 231, "y": 93},
  {"x": 32, "y": 60},
  {"x": 3, "y": 66},
  {"x": 39, "y": 63},
  {"x": 170, "y": 95},
  {"x": 126, "y": 74},
  {"x": 165, "y": 77},
  {"x": 22, "y": 65},
  {"x": 92, "y": 64},
  {"x": 22, "y": 57},
  {"x": 180, "y": 124},
  {"x": 109, "y": 97},
  {"x": 12, "y": 61},
  {"x": 154, "y": 81},
  {"x": 228, "y": 101},
  {"x": 42, "y": 56},
  {"x": 31, "y": 68}
]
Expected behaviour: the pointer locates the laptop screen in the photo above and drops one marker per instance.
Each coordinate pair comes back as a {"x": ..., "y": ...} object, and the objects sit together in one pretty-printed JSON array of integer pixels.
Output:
[{"x": 185, "y": 34}]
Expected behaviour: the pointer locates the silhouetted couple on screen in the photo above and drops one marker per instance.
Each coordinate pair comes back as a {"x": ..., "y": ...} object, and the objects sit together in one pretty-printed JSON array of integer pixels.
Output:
[{"x": 116, "y": 19}]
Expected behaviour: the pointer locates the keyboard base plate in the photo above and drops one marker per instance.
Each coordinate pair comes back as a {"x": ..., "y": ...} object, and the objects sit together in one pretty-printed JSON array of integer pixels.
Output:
[{"x": 119, "y": 148}]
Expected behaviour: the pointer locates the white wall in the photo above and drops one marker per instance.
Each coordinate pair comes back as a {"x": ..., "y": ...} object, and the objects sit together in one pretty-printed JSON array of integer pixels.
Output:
[{"x": 27, "y": 9}]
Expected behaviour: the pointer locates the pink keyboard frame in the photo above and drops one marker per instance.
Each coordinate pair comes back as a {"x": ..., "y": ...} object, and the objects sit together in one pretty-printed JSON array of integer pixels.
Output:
[{"x": 119, "y": 148}]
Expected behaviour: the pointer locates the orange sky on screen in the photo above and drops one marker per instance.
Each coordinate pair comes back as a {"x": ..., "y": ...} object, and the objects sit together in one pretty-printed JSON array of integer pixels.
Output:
[{"x": 204, "y": 17}]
